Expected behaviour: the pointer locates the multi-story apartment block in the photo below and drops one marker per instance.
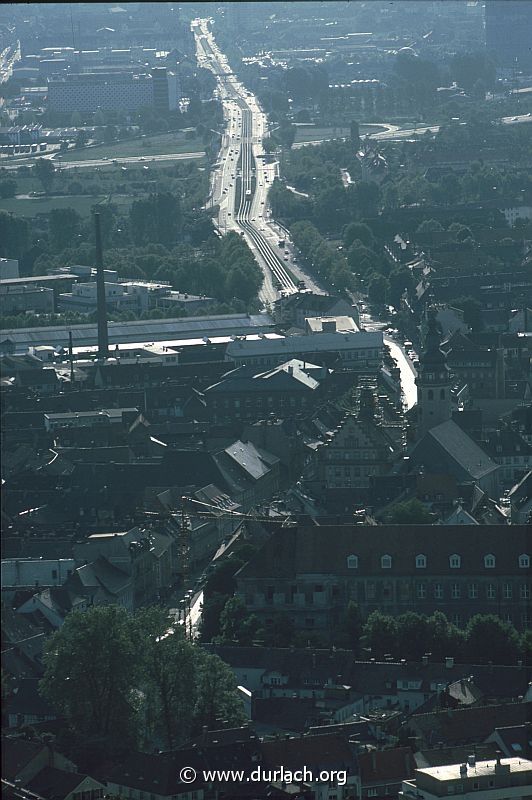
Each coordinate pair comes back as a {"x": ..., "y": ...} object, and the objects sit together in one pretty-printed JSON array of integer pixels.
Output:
[
  {"x": 106, "y": 91},
  {"x": 309, "y": 574}
]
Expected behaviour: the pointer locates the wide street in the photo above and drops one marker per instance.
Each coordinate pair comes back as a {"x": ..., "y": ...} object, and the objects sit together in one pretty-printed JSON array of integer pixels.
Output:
[{"x": 243, "y": 175}]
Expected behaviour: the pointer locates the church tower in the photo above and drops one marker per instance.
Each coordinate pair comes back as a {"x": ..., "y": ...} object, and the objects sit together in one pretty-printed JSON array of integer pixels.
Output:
[{"x": 433, "y": 380}]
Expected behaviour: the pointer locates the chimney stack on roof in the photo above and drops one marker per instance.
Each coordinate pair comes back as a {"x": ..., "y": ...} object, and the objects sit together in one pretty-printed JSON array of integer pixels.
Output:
[{"x": 103, "y": 336}]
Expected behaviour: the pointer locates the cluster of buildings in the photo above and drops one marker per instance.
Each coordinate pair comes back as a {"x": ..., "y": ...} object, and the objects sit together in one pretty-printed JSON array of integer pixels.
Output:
[{"x": 47, "y": 294}]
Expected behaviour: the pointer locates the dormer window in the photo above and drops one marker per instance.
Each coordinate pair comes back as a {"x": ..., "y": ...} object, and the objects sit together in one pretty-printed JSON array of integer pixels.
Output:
[
  {"x": 352, "y": 562},
  {"x": 489, "y": 561},
  {"x": 386, "y": 562},
  {"x": 421, "y": 561},
  {"x": 524, "y": 561},
  {"x": 455, "y": 561}
]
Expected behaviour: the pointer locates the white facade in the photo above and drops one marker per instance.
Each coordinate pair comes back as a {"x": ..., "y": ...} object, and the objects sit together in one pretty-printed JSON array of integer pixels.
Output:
[
  {"x": 502, "y": 779},
  {"x": 358, "y": 350},
  {"x": 32, "y": 572}
]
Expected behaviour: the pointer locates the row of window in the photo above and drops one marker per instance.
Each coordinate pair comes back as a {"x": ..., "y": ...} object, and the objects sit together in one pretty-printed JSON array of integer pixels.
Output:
[
  {"x": 473, "y": 591},
  {"x": 455, "y": 561}
]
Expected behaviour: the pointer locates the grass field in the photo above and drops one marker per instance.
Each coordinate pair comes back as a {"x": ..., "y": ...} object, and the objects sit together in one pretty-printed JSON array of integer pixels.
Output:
[
  {"x": 41, "y": 205},
  {"x": 161, "y": 145}
]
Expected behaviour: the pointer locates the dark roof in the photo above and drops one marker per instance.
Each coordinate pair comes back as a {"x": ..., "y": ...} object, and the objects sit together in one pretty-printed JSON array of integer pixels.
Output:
[
  {"x": 328, "y": 751},
  {"x": 16, "y": 754},
  {"x": 386, "y": 766},
  {"x": 293, "y": 714},
  {"x": 459, "y": 447},
  {"x": 55, "y": 784},
  {"x": 306, "y": 550},
  {"x": 456, "y": 726}
]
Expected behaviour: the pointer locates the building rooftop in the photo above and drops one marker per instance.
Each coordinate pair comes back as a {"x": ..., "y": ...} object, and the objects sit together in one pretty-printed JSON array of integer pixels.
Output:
[{"x": 448, "y": 772}]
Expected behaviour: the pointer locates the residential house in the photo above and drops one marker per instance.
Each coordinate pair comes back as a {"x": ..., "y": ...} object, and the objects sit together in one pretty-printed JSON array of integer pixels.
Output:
[
  {"x": 287, "y": 390},
  {"x": 483, "y": 369},
  {"x": 56, "y": 784},
  {"x": 466, "y": 725},
  {"x": 134, "y": 554},
  {"x": 26, "y": 706},
  {"x": 22, "y": 760},
  {"x": 325, "y": 753},
  {"x": 513, "y": 453}
]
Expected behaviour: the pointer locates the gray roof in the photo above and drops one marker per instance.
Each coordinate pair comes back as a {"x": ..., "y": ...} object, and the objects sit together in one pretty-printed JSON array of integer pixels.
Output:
[
  {"x": 249, "y": 458},
  {"x": 140, "y": 330},
  {"x": 462, "y": 449}
]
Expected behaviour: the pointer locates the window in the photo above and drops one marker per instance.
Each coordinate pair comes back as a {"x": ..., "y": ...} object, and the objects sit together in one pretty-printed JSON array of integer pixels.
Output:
[
  {"x": 524, "y": 561},
  {"x": 489, "y": 561},
  {"x": 370, "y": 591},
  {"x": 491, "y": 592},
  {"x": 430, "y": 394},
  {"x": 438, "y": 591},
  {"x": 524, "y": 591},
  {"x": 507, "y": 591},
  {"x": 473, "y": 591},
  {"x": 54, "y": 574},
  {"x": 455, "y": 561},
  {"x": 421, "y": 561},
  {"x": 421, "y": 591},
  {"x": 372, "y": 792},
  {"x": 455, "y": 591},
  {"x": 442, "y": 394},
  {"x": 386, "y": 562},
  {"x": 352, "y": 562}
]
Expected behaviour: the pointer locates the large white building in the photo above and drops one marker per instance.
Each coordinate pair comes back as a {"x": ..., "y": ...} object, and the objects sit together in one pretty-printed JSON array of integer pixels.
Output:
[
  {"x": 500, "y": 779},
  {"x": 360, "y": 350}
]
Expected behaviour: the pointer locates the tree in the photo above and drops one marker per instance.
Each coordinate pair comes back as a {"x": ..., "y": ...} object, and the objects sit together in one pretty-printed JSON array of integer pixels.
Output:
[
  {"x": 45, "y": 172},
  {"x": 400, "y": 280},
  {"x": 64, "y": 227},
  {"x": 236, "y": 624},
  {"x": 169, "y": 665},
  {"x": 109, "y": 134},
  {"x": 488, "y": 638},
  {"x": 213, "y": 605},
  {"x": 8, "y": 188},
  {"x": 81, "y": 139},
  {"x": 380, "y": 634},
  {"x": 360, "y": 231},
  {"x": 217, "y": 698},
  {"x": 429, "y": 226},
  {"x": 412, "y": 635},
  {"x": 14, "y": 235},
  {"x": 354, "y": 133},
  {"x": 378, "y": 288},
  {"x": 472, "y": 309},
  {"x": 350, "y": 628},
  {"x": 75, "y": 119},
  {"x": 411, "y": 512},
  {"x": 91, "y": 669}
]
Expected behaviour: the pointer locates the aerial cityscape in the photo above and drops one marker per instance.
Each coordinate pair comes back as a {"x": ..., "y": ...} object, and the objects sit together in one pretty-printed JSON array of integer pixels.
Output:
[{"x": 266, "y": 400}]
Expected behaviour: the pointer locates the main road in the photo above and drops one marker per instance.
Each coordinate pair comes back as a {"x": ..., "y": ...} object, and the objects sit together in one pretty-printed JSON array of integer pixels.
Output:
[{"x": 243, "y": 175}]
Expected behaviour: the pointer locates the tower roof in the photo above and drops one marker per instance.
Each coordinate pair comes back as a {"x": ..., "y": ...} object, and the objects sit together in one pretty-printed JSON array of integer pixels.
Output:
[{"x": 433, "y": 356}]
